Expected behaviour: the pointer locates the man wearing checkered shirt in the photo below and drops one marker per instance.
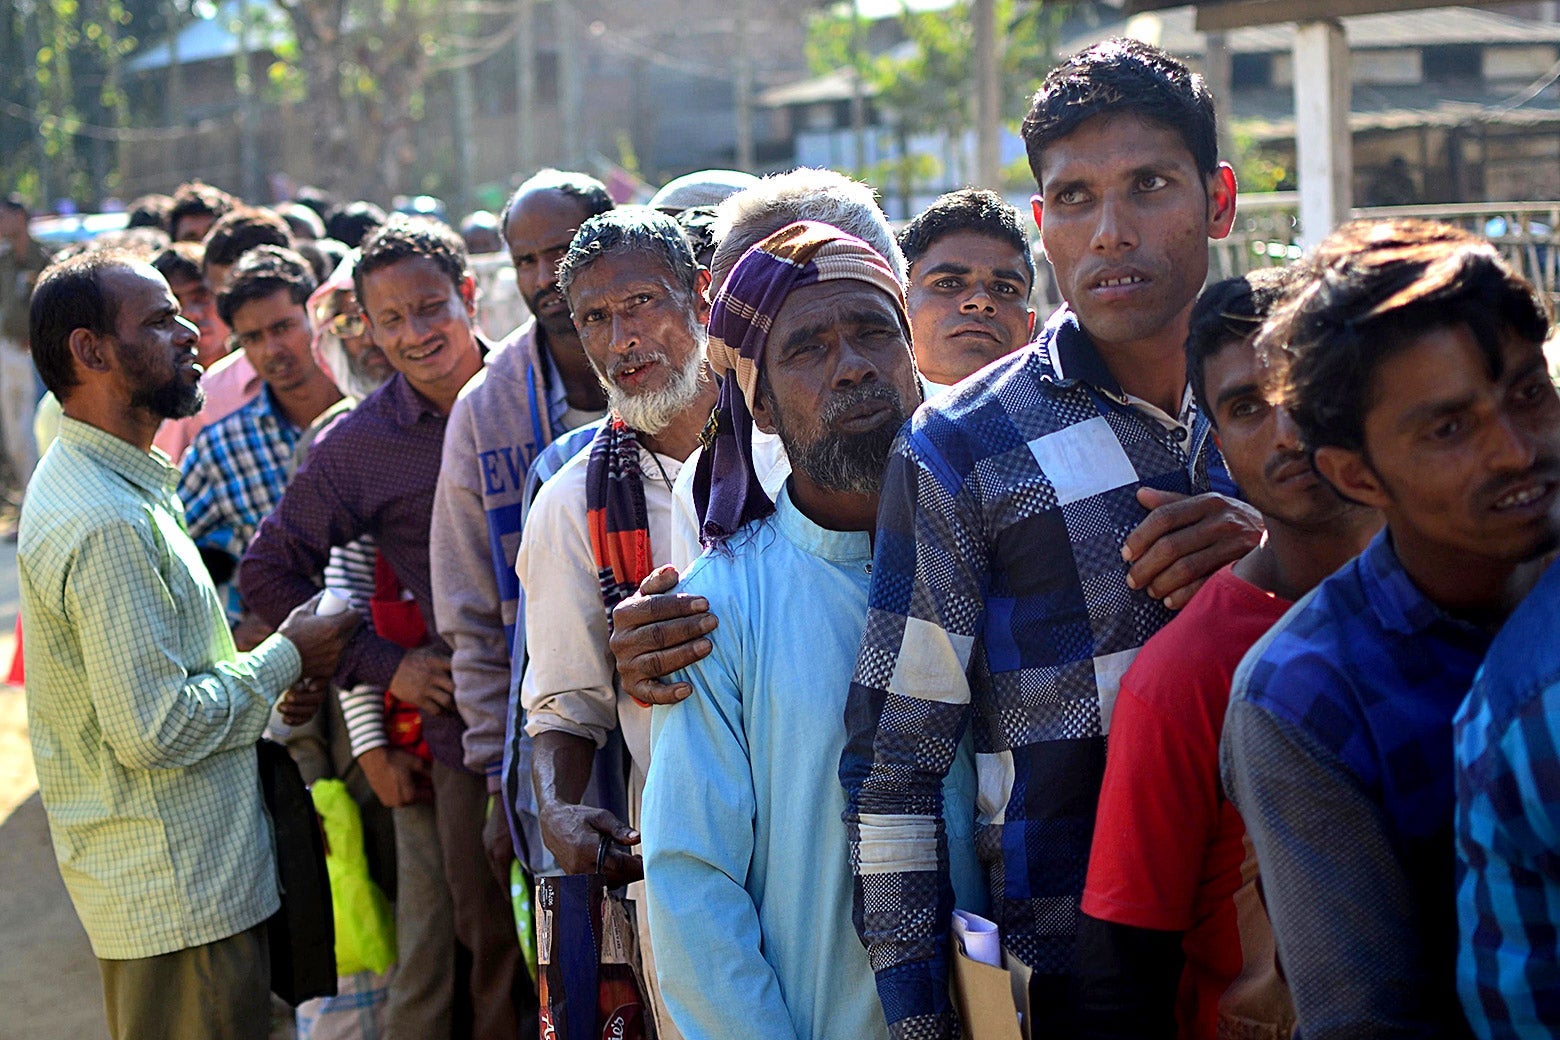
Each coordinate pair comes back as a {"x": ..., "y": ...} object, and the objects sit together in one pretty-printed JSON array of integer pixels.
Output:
[
  {"x": 237, "y": 468},
  {"x": 1415, "y": 372},
  {"x": 1018, "y": 567},
  {"x": 143, "y": 717}
]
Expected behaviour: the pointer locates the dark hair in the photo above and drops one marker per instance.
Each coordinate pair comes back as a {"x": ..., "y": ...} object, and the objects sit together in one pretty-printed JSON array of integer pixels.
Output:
[
  {"x": 631, "y": 229},
  {"x": 353, "y": 222},
  {"x": 590, "y": 193},
  {"x": 968, "y": 209},
  {"x": 323, "y": 254},
  {"x": 1232, "y": 311},
  {"x": 402, "y": 237},
  {"x": 241, "y": 229},
  {"x": 317, "y": 199},
  {"x": 198, "y": 199},
  {"x": 69, "y": 296},
  {"x": 301, "y": 219},
  {"x": 143, "y": 242},
  {"x": 698, "y": 225},
  {"x": 1120, "y": 76},
  {"x": 1379, "y": 287},
  {"x": 150, "y": 211},
  {"x": 180, "y": 261},
  {"x": 265, "y": 271}
]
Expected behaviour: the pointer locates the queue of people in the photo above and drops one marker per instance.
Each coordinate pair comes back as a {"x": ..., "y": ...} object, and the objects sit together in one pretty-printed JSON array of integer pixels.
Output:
[{"x": 793, "y": 577}]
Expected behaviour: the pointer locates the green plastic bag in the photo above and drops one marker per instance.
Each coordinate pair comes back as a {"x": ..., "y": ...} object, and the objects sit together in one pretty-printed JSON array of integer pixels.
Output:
[
  {"x": 365, "y": 921},
  {"x": 525, "y": 916}
]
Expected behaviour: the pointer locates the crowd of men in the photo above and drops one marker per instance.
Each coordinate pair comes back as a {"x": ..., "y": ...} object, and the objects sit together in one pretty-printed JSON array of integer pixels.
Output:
[{"x": 781, "y": 569}]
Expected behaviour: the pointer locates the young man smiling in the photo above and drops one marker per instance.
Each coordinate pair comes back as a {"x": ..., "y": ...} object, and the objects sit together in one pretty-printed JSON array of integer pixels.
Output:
[
  {"x": 1413, "y": 365},
  {"x": 374, "y": 472},
  {"x": 1017, "y": 569}
]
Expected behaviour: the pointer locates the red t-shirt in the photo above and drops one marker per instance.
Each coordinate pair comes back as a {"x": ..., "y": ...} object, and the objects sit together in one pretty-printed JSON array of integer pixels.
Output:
[{"x": 1168, "y": 845}]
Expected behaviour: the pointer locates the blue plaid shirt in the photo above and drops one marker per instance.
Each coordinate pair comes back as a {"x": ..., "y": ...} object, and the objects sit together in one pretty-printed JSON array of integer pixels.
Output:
[
  {"x": 1507, "y": 743},
  {"x": 1363, "y": 675},
  {"x": 235, "y": 472},
  {"x": 999, "y": 600}
]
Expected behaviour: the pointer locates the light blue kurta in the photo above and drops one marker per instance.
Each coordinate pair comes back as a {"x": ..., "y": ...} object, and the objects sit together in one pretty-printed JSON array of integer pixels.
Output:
[{"x": 746, "y": 857}]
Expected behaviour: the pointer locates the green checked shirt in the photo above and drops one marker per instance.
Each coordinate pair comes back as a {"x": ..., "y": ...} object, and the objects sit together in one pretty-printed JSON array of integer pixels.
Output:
[{"x": 143, "y": 715}]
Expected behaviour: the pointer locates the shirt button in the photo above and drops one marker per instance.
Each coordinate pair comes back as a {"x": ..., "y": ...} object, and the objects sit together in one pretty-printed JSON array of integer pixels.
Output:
[{"x": 1180, "y": 433}]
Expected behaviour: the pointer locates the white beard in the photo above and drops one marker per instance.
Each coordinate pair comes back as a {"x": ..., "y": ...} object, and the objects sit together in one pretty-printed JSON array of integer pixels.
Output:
[{"x": 653, "y": 411}]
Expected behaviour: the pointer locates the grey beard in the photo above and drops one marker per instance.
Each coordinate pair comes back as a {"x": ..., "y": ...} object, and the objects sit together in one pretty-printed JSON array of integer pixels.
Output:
[
  {"x": 653, "y": 411},
  {"x": 848, "y": 463}
]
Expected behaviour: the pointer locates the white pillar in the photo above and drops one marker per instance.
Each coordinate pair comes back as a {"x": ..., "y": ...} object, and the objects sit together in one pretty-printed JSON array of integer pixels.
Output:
[{"x": 1323, "y": 148}]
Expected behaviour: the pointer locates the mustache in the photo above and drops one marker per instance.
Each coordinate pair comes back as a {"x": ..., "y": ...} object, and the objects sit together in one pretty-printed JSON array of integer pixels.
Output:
[
  {"x": 845, "y": 400},
  {"x": 634, "y": 361}
]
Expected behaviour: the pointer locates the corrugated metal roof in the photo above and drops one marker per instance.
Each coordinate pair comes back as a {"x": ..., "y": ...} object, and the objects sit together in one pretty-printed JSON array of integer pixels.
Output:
[
  {"x": 206, "y": 39},
  {"x": 1175, "y": 31}
]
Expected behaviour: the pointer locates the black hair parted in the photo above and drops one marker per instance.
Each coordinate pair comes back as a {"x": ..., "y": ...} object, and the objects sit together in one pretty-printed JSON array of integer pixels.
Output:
[
  {"x": 198, "y": 199},
  {"x": 403, "y": 237},
  {"x": 1376, "y": 287},
  {"x": 70, "y": 296},
  {"x": 630, "y": 229},
  {"x": 968, "y": 209},
  {"x": 591, "y": 194},
  {"x": 1233, "y": 311},
  {"x": 262, "y": 272},
  {"x": 1123, "y": 76}
]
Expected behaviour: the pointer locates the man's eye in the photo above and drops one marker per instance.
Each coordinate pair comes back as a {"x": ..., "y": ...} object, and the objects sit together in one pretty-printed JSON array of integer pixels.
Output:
[
  {"x": 592, "y": 317},
  {"x": 1070, "y": 197},
  {"x": 643, "y": 297},
  {"x": 948, "y": 283},
  {"x": 1447, "y": 429},
  {"x": 1243, "y": 409},
  {"x": 1152, "y": 182},
  {"x": 1004, "y": 289},
  {"x": 388, "y": 321}
]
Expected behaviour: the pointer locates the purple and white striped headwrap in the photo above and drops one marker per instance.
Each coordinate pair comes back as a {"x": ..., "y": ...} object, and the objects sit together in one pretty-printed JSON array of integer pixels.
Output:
[{"x": 726, "y": 488}]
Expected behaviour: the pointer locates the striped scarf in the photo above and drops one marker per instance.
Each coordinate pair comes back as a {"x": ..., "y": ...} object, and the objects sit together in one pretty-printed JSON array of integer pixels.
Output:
[{"x": 615, "y": 513}]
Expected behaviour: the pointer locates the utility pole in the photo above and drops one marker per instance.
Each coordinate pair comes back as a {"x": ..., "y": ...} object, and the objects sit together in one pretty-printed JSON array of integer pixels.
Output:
[
  {"x": 743, "y": 87},
  {"x": 173, "y": 97},
  {"x": 248, "y": 151},
  {"x": 570, "y": 92},
  {"x": 1219, "y": 72},
  {"x": 858, "y": 104},
  {"x": 525, "y": 87},
  {"x": 988, "y": 110}
]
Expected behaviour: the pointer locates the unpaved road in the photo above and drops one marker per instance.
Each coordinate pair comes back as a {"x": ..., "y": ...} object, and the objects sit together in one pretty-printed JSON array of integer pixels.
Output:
[{"x": 47, "y": 974}]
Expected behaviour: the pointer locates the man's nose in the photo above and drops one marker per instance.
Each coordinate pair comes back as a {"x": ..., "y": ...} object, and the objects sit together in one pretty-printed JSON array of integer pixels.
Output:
[
  {"x": 1288, "y": 439},
  {"x": 979, "y": 301},
  {"x": 187, "y": 330},
  {"x": 855, "y": 364},
  {"x": 1114, "y": 230}
]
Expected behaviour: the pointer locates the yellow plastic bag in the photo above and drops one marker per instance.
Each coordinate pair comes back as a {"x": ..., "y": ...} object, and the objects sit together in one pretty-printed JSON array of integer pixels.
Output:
[{"x": 365, "y": 921}]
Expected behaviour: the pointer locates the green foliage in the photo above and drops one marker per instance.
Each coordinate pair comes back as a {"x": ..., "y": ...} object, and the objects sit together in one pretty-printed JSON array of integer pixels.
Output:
[{"x": 926, "y": 84}]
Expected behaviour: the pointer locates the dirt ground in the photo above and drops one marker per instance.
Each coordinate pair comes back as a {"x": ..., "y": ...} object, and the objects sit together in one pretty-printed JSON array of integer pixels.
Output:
[{"x": 47, "y": 973}]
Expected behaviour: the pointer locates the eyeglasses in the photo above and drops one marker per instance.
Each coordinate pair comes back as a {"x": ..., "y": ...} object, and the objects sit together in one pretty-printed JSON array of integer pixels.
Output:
[{"x": 348, "y": 324}]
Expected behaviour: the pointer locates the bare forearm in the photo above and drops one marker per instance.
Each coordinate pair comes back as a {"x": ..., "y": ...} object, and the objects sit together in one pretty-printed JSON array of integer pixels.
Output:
[{"x": 560, "y": 767}]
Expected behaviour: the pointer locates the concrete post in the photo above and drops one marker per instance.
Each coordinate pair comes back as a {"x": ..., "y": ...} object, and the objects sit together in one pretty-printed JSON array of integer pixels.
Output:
[{"x": 1323, "y": 145}]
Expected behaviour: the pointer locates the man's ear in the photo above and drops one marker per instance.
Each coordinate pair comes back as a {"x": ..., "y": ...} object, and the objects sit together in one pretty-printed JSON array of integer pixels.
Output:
[
  {"x": 1221, "y": 201},
  {"x": 1037, "y": 208},
  {"x": 1031, "y": 324},
  {"x": 701, "y": 295},
  {"x": 468, "y": 294},
  {"x": 1352, "y": 476},
  {"x": 90, "y": 350},
  {"x": 763, "y": 416}
]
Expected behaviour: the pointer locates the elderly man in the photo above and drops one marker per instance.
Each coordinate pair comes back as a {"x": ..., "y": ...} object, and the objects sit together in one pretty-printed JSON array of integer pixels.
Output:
[
  {"x": 746, "y": 859},
  {"x": 143, "y": 716},
  {"x": 598, "y": 527},
  {"x": 535, "y": 386}
]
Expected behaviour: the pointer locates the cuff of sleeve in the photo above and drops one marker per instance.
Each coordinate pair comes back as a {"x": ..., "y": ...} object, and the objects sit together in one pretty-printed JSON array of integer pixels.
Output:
[
  {"x": 277, "y": 665},
  {"x": 537, "y": 723}
]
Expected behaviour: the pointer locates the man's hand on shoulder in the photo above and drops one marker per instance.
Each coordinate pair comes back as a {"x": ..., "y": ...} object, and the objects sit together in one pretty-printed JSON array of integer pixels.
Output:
[
  {"x": 319, "y": 640},
  {"x": 657, "y": 631},
  {"x": 1185, "y": 539},
  {"x": 424, "y": 681}
]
